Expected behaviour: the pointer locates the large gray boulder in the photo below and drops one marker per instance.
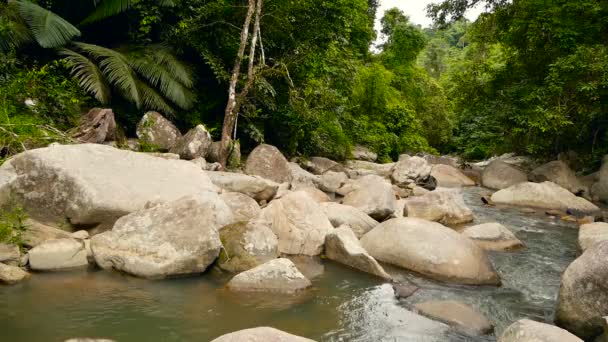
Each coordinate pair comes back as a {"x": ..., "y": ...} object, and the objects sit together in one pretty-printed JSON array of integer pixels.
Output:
[
  {"x": 194, "y": 144},
  {"x": 10, "y": 275},
  {"x": 599, "y": 189},
  {"x": 331, "y": 181},
  {"x": 340, "y": 214},
  {"x": 320, "y": 165},
  {"x": 526, "y": 330},
  {"x": 382, "y": 170},
  {"x": 431, "y": 249},
  {"x": 93, "y": 184},
  {"x": 411, "y": 170},
  {"x": 268, "y": 162},
  {"x": 243, "y": 207},
  {"x": 500, "y": 175},
  {"x": 583, "y": 295},
  {"x": 261, "y": 334},
  {"x": 171, "y": 239},
  {"x": 59, "y": 254},
  {"x": 299, "y": 223},
  {"x": 591, "y": 234},
  {"x": 450, "y": 177},
  {"x": 341, "y": 245},
  {"x": 444, "y": 206},
  {"x": 456, "y": 314},
  {"x": 546, "y": 195},
  {"x": 157, "y": 132},
  {"x": 493, "y": 236},
  {"x": 246, "y": 245},
  {"x": 257, "y": 188},
  {"x": 373, "y": 195},
  {"x": 559, "y": 173},
  {"x": 301, "y": 178},
  {"x": 278, "y": 275},
  {"x": 364, "y": 153}
]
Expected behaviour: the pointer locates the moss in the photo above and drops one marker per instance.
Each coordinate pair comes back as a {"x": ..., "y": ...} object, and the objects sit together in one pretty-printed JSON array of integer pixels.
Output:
[{"x": 13, "y": 225}]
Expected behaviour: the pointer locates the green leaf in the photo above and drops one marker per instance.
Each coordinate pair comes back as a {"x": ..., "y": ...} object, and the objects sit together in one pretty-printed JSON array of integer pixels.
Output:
[
  {"x": 89, "y": 76},
  {"x": 108, "y": 8},
  {"x": 49, "y": 29}
]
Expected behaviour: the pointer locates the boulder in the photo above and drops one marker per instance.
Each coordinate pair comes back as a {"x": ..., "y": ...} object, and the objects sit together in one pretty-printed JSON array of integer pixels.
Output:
[
  {"x": 442, "y": 160},
  {"x": 261, "y": 334},
  {"x": 358, "y": 221},
  {"x": 58, "y": 254},
  {"x": 332, "y": 181},
  {"x": 382, "y": 170},
  {"x": 36, "y": 233},
  {"x": 310, "y": 266},
  {"x": 545, "y": 195},
  {"x": 316, "y": 194},
  {"x": 94, "y": 184},
  {"x": 9, "y": 254},
  {"x": 320, "y": 165},
  {"x": 372, "y": 195},
  {"x": 450, "y": 177},
  {"x": 299, "y": 223},
  {"x": 404, "y": 290},
  {"x": 157, "y": 132},
  {"x": 257, "y": 188},
  {"x": 80, "y": 235},
  {"x": 559, "y": 173},
  {"x": 599, "y": 190},
  {"x": 96, "y": 127},
  {"x": 243, "y": 207},
  {"x": 411, "y": 170},
  {"x": 430, "y": 249},
  {"x": 364, "y": 153},
  {"x": 500, "y": 175},
  {"x": 526, "y": 330},
  {"x": 268, "y": 162},
  {"x": 583, "y": 294},
  {"x": 194, "y": 144},
  {"x": 341, "y": 245},
  {"x": 301, "y": 178},
  {"x": 493, "y": 236},
  {"x": 246, "y": 245},
  {"x": 400, "y": 212},
  {"x": 456, "y": 314},
  {"x": 10, "y": 275},
  {"x": 171, "y": 239},
  {"x": 278, "y": 275},
  {"x": 591, "y": 234},
  {"x": 234, "y": 155},
  {"x": 444, "y": 206}
]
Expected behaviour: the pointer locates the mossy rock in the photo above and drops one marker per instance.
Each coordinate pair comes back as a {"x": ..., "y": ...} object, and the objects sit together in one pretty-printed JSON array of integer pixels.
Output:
[{"x": 245, "y": 246}]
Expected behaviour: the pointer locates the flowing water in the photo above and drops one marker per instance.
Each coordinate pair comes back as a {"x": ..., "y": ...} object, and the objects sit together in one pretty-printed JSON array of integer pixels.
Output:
[{"x": 344, "y": 305}]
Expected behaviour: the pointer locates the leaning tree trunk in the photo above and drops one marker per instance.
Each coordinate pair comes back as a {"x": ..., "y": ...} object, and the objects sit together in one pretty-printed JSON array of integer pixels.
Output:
[{"x": 97, "y": 126}]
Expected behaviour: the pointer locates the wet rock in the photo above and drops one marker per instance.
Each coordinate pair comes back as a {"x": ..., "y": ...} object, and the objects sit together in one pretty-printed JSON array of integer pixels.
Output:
[
  {"x": 364, "y": 153},
  {"x": 341, "y": 245},
  {"x": 243, "y": 207},
  {"x": 321, "y": 165},
  {"x": 268, "y": 162},
  {"x": 450, "y": 177},
  {"x": 358, "y": 221},
  {"x": 255, "y": 187},
  {"x": 528, "y": 211},
  {"x": 172, "y": 239},
  {"x": 59, "y": 254},
  {"x": 158, "y": 132},
  {"x": 583, "y": 295},
  {"x": 246, "y": 245},
  {"x": 310, "y": 266},
  {"x": 382, "y": 170},
  {"x": 526, "y": 330},
  {"x": 332, "y": 181},
  {"x": 493, "y": 236},
  {"x": 444, "y": 206},
  {"x": 411, "y": 170},
  {"x": 404, "y": 290},
  {"x": 93, "y": 184},
  {"x": 545, "y": 195},
  {"x": 194, "y": 144},
  {"x": 559, "y": 173},
  {"x": 10, "y": 275},
  {"x": 278, "y": 275},
  {"x": 591, "y": 234},
  {"x": 9, "y": 254},
  {"x": 372, "y": 195},
  {"x": 262, "y": 334},
  {"x": 500, "y": 175},
  {"x": 431, "y": 249},
  {"x": 299, "y": 223},
  {"x": 456, "y": 314}
]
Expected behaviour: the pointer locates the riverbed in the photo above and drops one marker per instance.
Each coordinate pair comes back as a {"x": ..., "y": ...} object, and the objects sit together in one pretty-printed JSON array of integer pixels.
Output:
[{"x": 344, "y": 305}]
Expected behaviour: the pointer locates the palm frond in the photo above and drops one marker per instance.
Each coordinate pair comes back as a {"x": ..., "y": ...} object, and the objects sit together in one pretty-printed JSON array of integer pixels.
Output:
[
  {"x": 180, "y": 71},
  {"x": 49, "y": 29},
  {"x": 107, "y": 8},
  {"x": 115, "y": 67},
  {"x": 153, "y": 100},
  {"x": 89, "y": 76},
  {"x": 13, "y": 29}
]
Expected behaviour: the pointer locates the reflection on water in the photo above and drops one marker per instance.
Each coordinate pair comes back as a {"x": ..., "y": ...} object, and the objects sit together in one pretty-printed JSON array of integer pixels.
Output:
[{"x": 343, "y": 306}]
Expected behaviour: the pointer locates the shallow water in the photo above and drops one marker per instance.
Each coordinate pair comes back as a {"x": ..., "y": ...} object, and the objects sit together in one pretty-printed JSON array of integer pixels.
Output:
[{"x": 343, "y": 306}]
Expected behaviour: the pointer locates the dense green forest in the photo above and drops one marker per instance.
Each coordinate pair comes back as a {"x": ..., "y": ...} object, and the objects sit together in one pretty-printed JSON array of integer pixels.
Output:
[{"x": 529, "y": 76}]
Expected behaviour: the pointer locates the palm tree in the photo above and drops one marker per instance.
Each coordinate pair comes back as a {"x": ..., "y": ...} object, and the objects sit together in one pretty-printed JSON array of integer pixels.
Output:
[{"x": 149, "y": 77}]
